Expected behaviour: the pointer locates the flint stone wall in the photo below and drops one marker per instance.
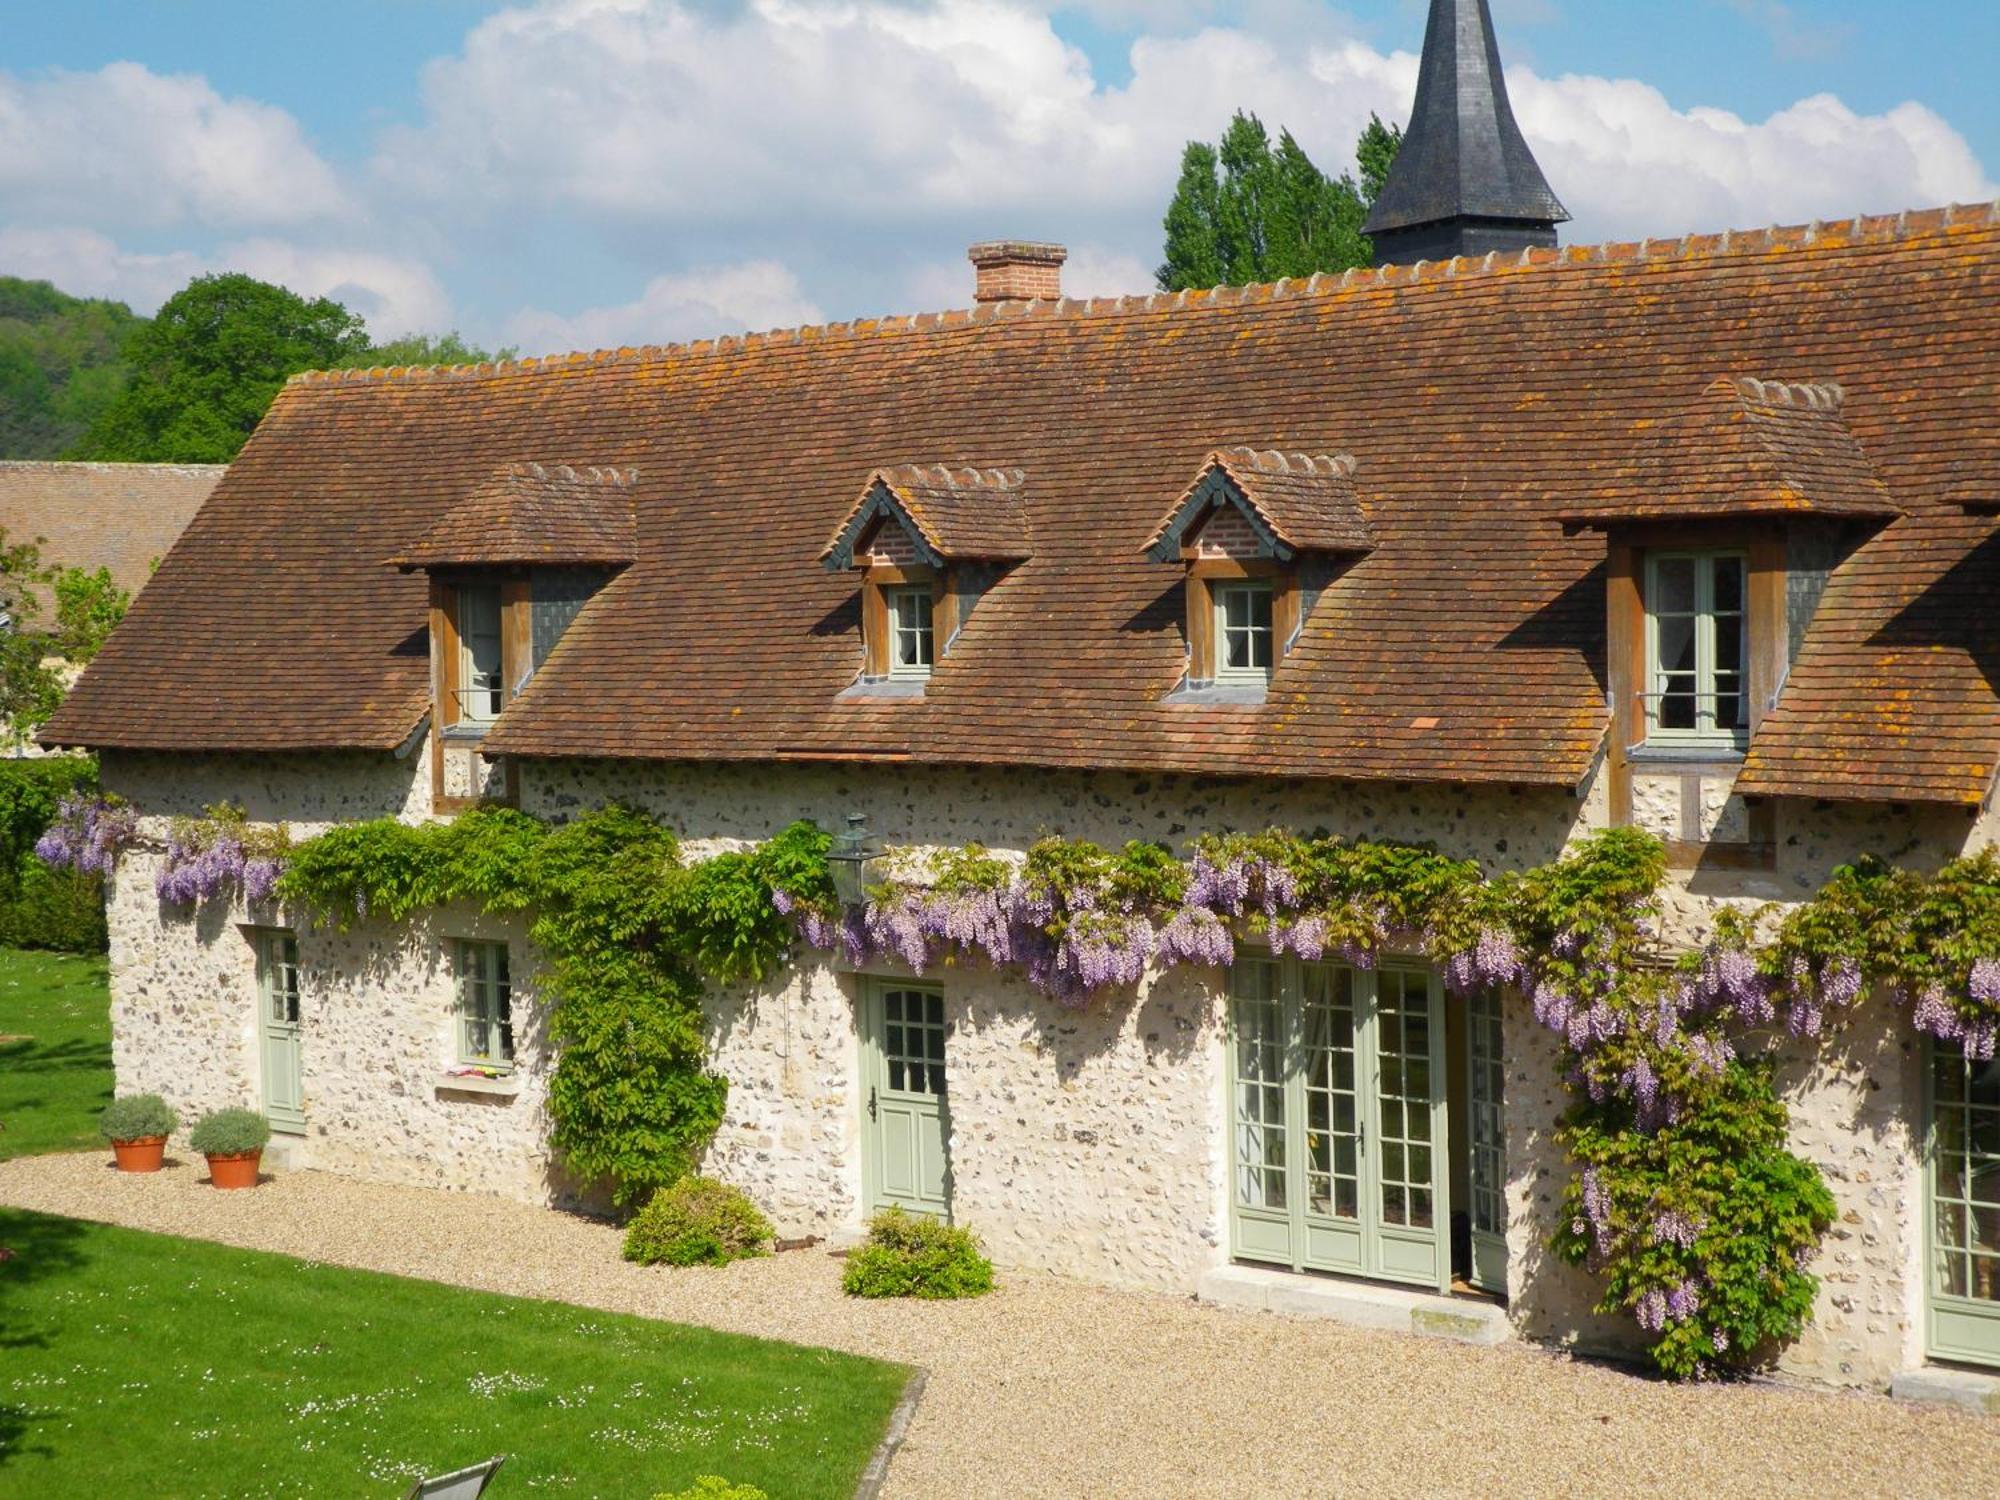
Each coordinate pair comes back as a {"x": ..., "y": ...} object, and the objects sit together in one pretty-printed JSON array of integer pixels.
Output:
[{"x": 1089, "y": 1144}]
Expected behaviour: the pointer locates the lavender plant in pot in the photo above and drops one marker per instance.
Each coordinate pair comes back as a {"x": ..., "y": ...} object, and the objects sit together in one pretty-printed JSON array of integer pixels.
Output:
[
  {"x": 137, "y": 1127},
  {"x": 233, "y": 1140}
]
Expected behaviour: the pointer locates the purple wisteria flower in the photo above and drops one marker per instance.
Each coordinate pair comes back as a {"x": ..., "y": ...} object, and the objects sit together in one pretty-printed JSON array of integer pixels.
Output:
[
  {"x": 1984, "y": 985},
  {"x": 1676, "y": 1228},
  {"x": 1684, "y": 1301},
  {"x": 87, "y": 834},
  {"x": 1651, "y": 1311}
]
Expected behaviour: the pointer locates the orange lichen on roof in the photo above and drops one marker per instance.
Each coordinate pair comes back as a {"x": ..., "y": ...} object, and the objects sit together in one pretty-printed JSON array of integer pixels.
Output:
[{"x": 1483, "y": 400}]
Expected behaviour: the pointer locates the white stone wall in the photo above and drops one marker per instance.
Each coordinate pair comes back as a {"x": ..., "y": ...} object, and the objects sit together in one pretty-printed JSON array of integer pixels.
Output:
[{"x": 1089, "y": 1144}]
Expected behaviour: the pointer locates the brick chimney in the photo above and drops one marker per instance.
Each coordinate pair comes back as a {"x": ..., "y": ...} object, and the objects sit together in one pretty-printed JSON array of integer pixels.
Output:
[{"x": 1017, "y": 270}]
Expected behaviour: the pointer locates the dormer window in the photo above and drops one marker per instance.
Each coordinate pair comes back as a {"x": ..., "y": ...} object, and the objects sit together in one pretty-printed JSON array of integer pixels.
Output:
[
  {"x": 1244, "y": 619},
  {"x": 928, "y": 541},
  {"x": 512, "y": 564},
  {"x": 1261, "y": 535},
  {"x": 1697, "y": 648},
  {"x": 481, "y": 678},
  {"x": 911, "y": 646}
]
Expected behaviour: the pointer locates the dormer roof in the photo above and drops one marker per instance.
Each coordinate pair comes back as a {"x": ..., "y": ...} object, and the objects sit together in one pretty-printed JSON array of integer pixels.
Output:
[
  {"x": 951, "y": 514},
  {"x": 531, "y": 513},
  {"x": 1295, "y": 502},
  {"x": 1744, "y": 448}
]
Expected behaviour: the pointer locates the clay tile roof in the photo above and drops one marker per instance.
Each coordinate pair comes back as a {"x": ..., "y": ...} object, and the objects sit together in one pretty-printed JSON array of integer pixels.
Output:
[
  {"x": 1483, "y": 399},
  {"x": 1744, "y": 447},
  {"x": 88, "y": 515},
  {"x": 952, "y": 514},
  {"x": 1296, "y": 502},
  {"x": 531, "y": 513}
]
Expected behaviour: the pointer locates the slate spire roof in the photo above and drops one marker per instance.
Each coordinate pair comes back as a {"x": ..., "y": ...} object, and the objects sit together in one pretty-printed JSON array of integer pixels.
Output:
[{"x": 1463, "y": 155}]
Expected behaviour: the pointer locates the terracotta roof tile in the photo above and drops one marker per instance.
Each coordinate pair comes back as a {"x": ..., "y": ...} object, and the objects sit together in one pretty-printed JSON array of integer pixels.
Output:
[
  {"x": 1482, "y": 399},
  {"x": 1303, "y": 502},
  {"x": 960, "y": 514},
  {"x": 1743, "y": 447},
  {"x": 532, "y": 513},
  {"x": 89, "y": 515}
]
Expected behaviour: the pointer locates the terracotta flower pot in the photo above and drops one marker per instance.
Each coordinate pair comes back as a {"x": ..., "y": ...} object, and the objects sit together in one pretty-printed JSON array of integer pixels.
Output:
[
  {"x": 238, "y": 1171},
  {"x": 142, "y": 1155}
]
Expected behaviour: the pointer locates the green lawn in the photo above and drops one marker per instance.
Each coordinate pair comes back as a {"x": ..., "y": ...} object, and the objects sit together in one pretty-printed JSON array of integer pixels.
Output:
[
  {"x": 57, "y": 1076},
  {"x": 140, "y": 1364}
]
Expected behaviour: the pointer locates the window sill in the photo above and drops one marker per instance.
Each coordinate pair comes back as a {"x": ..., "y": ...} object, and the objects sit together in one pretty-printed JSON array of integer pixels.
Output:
[
  {"x": 1209, "y": 694},
  {"x": 467, "y": 734},
  {"x": 506, "y": 1086},
  {"x": 1687, "y": 755},
  {"x": 880, "y": 688}
]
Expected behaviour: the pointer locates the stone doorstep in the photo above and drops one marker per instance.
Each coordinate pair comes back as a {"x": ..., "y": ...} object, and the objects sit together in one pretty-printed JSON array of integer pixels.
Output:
[
  {"x": 285, "y": 1153},
  {"x": 1357, "y": 1304},
  {"x": 1964, "y": 1388}
]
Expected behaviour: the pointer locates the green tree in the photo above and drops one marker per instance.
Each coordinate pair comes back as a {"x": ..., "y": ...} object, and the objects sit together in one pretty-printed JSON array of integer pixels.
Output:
[
  {"x": 1375, "y": 153},
  {"x": 60, "y": 365},
  {"x": 89, "y": 605},
  {"x": 421, "y": 349},
  {"x": 1246, "y": 211},
  {"x": 30, "y": 686},
  {"x": 207, "y": 367}
]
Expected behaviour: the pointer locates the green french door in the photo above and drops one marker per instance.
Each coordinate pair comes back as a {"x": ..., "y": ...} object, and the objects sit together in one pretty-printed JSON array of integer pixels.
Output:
[
  {"x": 278, "y": 1029},
  {"x": 1962, "y": 1182},
  {"x": 1339, "y": 1120},
  {"x": 1486, "y": 1141},
  {"x": 906, "y": 1112}
]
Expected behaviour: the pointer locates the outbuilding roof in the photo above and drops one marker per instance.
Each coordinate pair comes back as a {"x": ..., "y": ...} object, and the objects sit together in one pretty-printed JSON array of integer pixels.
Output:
[
  {"x": 1483, "y": 401},
  {"x": 123, "y": 517}
]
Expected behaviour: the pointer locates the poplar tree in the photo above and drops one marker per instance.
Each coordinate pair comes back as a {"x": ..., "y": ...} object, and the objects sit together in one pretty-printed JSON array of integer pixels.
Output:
[{"x": 1246, "y": 210}]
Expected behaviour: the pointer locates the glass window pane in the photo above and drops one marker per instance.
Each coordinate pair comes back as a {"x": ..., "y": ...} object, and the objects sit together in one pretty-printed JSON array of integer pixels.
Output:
[
  {"x": 1676, "y": 643},
  {"x": 1673, "y": 585},
  {"x": 1729, "y": 584}
]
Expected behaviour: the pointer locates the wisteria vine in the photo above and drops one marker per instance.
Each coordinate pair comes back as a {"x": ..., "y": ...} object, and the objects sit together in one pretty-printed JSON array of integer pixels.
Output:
[{"x": 1687, "y": 1200}]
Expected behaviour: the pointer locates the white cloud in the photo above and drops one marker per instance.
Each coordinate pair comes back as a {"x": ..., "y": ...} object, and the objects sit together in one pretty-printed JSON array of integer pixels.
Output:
[
  {"x": 1793, "y": 37},
  {"x": 395, "y": 295},
  {"x": 126, "y": 146},
  {"x": 862, "y": 140},
  {"x": 697, "y": 304}
]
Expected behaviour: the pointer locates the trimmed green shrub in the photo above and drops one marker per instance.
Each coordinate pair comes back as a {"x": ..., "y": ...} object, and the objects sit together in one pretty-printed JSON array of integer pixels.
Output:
[
  {"x": 137, "y": 1117},
  {"x": 697, "y": 1222},
  {"x": 710, "y": 1487},
  {"x": 909, "y": 1255},
  {"x": 230, "y": 1132}
]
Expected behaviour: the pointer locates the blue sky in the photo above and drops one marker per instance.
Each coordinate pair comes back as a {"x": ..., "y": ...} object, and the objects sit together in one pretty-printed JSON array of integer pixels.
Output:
[{"x": 562, "y": 172}]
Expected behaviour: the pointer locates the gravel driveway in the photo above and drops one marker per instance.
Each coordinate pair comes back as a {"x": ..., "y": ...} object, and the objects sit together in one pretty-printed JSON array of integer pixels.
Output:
[{"x": 1050, "y": 1387}]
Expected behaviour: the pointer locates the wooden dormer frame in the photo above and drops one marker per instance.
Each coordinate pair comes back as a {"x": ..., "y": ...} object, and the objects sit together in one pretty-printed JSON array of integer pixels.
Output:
[
  {"x": 516, "y": 656},
  {"x": 877, "y": 579},
  {"x": 1203, "y": 574}
]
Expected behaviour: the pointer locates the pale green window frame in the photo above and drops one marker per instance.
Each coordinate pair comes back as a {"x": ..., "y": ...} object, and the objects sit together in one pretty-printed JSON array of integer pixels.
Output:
[
  {"x": 1697, "y": 609},
  {"x": 481, "y": 689},
  {"x": 912, "y": 632},
  {"x": 485, "y": 1004},
  {"x": 1961, "y": 1205},
  {"x": 277, "y": 951},
  {"x": 1245, "y": 644}
]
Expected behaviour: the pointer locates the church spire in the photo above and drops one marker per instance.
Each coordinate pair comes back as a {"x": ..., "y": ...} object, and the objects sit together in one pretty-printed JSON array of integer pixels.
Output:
[{"x": 1465, "y": 182}]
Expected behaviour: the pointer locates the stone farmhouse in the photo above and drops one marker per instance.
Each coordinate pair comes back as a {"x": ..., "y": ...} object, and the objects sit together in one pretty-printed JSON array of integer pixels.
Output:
[{"x": 1493, "y": 545}]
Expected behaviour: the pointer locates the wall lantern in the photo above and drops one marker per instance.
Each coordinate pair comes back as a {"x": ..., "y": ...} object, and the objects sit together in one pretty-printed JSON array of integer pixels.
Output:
[{"x": 850, "y": 856}]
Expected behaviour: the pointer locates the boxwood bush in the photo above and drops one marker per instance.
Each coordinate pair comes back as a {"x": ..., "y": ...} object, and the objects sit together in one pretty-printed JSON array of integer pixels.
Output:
[
  {"x": 137, "y": 1117},
  {"x": 230, "y": 1132},
  {"x": 697, "y": 1222},
  {"x": 910, "y": 1255}
]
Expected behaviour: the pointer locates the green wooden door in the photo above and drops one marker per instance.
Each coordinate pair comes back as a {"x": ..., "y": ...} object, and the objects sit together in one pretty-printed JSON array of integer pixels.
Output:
[
  {"x": 278, "y": 1030},
  {"x": 1338, "y": 1120},
  {"x": 1962, "y": 1179},
  {"x": 906, "y": 1119},
  {"x": 1486, "y": 1141}
]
